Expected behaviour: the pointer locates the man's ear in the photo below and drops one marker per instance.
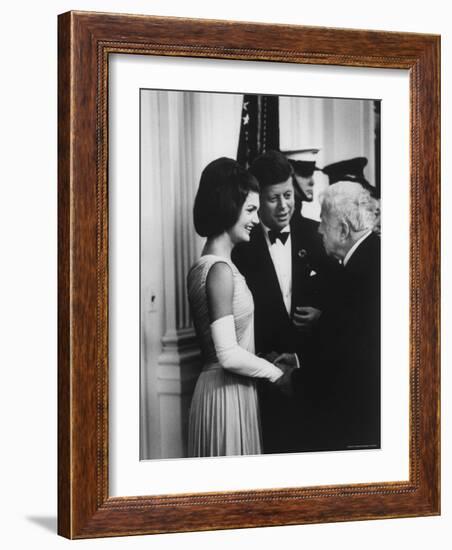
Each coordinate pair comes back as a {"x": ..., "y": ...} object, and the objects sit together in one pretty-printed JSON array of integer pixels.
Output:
[{"x": 344, "y": 231}]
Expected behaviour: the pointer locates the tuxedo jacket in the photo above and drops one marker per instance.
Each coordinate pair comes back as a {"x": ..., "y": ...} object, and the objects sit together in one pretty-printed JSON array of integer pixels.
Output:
[
  {"x": 274, "y": 329},
  {"x": 340, "y": 389},
  {"x": 273, "y": 326}
]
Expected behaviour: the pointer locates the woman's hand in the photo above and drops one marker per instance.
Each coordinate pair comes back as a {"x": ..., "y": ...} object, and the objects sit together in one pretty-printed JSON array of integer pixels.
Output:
[{"x": 271, "y": 357}]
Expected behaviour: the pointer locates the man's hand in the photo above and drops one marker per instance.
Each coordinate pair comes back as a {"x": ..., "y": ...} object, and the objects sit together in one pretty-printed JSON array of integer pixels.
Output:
[
  {"x": 305, "y": 317},
  {"x": 286, "y": 360},
  {"x": 284, "y": 382}
]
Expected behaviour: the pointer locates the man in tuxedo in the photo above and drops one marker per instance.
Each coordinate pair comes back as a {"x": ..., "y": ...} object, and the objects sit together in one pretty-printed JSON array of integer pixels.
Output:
[
  {"x": 304, "y": 166},
  {"x": 281, "y": 267},
  {"x": 342, "y": 391}
]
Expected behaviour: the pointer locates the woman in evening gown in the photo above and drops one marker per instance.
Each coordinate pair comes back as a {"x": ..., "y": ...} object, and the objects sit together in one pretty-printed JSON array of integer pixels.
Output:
[{"x": 224, "y": 414}]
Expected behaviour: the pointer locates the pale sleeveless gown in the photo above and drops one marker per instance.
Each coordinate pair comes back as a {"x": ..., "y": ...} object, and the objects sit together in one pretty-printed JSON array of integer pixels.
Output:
[{"x": 224, "y": 414}]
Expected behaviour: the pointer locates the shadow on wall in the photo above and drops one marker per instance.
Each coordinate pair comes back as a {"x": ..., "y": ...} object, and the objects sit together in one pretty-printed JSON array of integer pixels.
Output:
[{"x": 49, "y": 523}]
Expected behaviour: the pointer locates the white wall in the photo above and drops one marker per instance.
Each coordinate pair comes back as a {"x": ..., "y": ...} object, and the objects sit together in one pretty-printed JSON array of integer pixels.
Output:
[{"x": 28, "y": 272}]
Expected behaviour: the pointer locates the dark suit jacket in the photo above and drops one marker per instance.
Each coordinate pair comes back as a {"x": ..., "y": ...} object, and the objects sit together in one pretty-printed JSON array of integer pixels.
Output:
[
  {"x": 341, "y": 388},
  {"x": 274, "y": 329}
]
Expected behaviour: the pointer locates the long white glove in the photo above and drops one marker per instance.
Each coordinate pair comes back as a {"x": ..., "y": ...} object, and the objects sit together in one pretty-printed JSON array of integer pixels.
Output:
[{"x": 235, "y": 358}]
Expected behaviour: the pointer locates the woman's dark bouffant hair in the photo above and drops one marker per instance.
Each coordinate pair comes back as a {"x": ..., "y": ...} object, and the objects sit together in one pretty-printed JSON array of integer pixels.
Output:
[{"x": 222, "y": 191}]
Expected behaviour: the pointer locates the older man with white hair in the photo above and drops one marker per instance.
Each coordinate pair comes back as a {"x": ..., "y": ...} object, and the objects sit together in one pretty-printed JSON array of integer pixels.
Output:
[
  {"x": 342, "y": 386},
  {"x": 347, "y": 219}
]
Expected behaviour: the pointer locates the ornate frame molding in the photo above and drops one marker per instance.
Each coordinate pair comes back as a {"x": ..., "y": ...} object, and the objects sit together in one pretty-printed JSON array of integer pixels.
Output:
[{"x": 85, "y": 42}]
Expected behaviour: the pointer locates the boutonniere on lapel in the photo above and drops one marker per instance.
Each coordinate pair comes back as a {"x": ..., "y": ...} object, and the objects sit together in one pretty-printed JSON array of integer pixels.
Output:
[
  {"x": 302, "y": 253},
  {"x": 304, "y": 259}
]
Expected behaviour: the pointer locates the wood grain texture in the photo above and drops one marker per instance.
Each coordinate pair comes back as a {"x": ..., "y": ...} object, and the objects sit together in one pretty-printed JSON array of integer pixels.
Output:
[
  {"x": 64, "y": 295},
  {"x": 85, "y": 42}
]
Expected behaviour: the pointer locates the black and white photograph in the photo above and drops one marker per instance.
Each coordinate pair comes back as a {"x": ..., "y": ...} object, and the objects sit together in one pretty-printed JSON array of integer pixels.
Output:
[
  {"x": 199, "y": 346},
  {"x": 260, "y": 298}
]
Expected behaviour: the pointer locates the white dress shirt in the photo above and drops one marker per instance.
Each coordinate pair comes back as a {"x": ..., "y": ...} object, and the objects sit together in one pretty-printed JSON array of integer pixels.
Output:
[{"x": 281, "y": 255}]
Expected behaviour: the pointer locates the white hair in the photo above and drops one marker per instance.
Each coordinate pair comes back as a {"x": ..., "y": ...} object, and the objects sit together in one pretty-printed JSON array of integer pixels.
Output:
[{"x": 350, "y": 203}]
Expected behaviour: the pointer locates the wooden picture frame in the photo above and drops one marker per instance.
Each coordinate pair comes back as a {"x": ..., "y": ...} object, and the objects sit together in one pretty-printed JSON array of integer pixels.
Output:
[{"x": 85, "y": 42}]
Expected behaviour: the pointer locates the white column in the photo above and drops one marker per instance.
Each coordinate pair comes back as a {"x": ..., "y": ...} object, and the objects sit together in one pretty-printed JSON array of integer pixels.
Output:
[
  {"x": 152, "y": 269},
  {"x": 181, "y": 133},
  {"x": 179, "y": 361}
]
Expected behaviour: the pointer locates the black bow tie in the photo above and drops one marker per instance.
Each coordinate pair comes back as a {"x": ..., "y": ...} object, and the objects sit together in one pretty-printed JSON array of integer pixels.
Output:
[{"x": 273, "y": 235}]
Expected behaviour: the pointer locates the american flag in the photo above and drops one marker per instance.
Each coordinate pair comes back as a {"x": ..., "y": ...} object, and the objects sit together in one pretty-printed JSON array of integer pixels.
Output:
[{"x": 259, "y": 131}]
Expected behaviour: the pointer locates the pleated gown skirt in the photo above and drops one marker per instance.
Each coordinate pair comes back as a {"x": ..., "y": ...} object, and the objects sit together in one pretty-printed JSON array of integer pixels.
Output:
[{"x": 224, "y": 415}]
